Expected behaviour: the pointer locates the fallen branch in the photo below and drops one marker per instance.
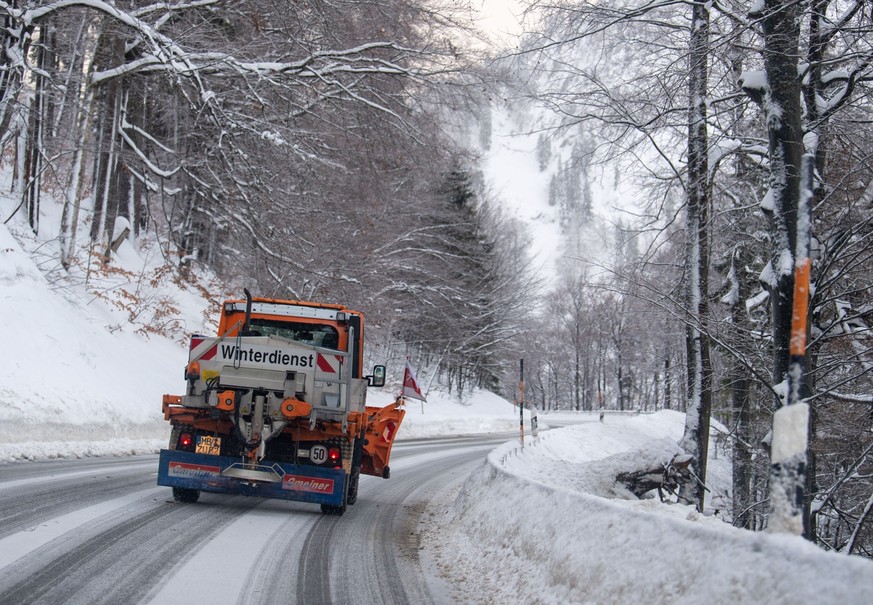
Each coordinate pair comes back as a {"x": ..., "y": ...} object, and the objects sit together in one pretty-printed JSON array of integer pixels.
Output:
[{"x": 665, "y": 476}]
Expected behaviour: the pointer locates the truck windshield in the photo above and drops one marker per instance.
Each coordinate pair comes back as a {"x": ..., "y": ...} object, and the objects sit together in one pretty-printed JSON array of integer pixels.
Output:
[{"x": 319, "y": 335}]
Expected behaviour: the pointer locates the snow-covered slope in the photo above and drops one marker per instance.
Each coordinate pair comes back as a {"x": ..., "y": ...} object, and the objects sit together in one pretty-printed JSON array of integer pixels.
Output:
[
  {"x": 67, "y": 376},
  {"x": 513, "y": 177},
  {"x": 544, "y": 177}
]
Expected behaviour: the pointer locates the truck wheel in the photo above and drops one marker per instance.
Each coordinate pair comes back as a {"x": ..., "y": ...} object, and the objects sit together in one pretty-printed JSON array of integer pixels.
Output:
[
  {"x": 330, "y": 509},
  {"x": 185, "y": 495}
]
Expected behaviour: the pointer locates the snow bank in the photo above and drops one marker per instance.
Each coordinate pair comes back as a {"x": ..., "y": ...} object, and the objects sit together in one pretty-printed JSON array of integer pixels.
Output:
[
  {"x": 522, "y": 530},
  {"x": 444, "y": 415},
  {"x": 77, "y": 379},
  {"x": 48, "y": 450}
]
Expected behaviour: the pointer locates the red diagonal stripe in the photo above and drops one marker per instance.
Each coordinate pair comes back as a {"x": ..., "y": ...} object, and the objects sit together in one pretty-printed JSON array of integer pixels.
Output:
[{"x": 324, "y": 365}]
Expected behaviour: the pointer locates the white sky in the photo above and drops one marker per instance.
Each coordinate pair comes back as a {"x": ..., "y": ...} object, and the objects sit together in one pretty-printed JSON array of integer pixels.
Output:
[{"x": 500, "y": 17}]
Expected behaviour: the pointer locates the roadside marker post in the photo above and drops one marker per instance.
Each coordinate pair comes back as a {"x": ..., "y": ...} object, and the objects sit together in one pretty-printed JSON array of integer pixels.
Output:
[{"x": 521, "y": 400}]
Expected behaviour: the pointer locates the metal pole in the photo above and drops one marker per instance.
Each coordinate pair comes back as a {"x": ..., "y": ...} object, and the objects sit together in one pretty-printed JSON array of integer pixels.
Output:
[
  {"x": 521, "y": 400},
  {"x": 346, "y": 379}
]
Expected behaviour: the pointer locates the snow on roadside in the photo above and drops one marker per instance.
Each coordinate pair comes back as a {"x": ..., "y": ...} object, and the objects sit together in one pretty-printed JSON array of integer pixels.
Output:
[
  {"x": 75, "y": 384},
  {"x": 443, "y": 415},
  {"x": 522, "y": 530}
]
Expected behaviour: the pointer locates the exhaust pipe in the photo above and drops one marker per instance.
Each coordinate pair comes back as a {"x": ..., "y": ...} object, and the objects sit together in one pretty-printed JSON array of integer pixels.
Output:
[{"x": 247, "y": 325}]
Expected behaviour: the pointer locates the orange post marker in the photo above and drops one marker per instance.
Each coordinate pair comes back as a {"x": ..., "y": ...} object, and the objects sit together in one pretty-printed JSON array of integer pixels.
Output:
[{"x": 800, "y": 307}]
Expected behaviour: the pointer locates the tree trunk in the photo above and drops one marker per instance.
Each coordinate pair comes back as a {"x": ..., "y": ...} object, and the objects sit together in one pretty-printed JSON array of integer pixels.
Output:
[
  {"x": 118, "y": 175},
  {"x": 74, "y": 116},
  {"x": 695, "y": 440},
  {"x": 576, "y": 369},
  {"x": 667, "y": 381},
  {"x": 110, "y": 51},
  {"x": 620, "y": 386},
  {"x": 15, "y": 38},
  {"x": 813, "y": 89},
  {"x": 781, "y": 26},
  {"x": 34, "y": 145},
  {"x": 742, "y": 451},
  {"x": 743, "y": 492}
]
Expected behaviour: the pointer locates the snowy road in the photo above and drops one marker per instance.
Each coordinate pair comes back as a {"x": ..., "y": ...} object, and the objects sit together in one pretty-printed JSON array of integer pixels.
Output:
[{"x": 99, "y": 531}]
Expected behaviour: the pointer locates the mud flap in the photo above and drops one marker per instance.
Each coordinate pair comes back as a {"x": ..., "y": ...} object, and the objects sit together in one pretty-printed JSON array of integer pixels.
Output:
[{"x": 219, "y": 474}]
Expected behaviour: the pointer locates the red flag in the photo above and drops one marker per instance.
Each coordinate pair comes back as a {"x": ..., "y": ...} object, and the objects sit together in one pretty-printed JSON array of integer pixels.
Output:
[{"x": 410, "y": 384}]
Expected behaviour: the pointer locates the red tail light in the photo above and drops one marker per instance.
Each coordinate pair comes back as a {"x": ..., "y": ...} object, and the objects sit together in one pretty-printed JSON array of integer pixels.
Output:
[
  {"x": 333, "y": 455},
  {"x": 185, "y": 441}
]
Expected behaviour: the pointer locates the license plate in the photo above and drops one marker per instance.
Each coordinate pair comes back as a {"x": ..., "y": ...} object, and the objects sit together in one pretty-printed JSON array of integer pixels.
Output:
[{"x": 206, "y": 444}]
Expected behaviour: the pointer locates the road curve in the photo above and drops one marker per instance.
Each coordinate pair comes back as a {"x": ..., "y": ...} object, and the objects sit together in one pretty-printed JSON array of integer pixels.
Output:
[{"x": 100, "y": 531}]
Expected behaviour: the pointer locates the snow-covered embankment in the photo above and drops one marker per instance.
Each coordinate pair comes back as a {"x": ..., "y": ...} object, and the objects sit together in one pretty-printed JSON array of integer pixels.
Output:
[{"x": 525, "y": 529}]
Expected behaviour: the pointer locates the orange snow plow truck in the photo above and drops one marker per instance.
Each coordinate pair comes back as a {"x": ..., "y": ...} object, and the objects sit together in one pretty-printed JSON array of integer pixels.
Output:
[{"x": 276, "y": 407}]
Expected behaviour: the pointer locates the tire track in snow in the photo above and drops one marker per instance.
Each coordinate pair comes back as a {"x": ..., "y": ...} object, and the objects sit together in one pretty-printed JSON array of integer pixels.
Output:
[
  {"x": 370, "y": 555},
  {"x": 120, "y": 557},
  {"x": 248, "y": 552}
]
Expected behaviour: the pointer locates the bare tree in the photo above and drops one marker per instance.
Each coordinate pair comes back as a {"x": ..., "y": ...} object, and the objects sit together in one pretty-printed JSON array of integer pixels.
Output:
[
  {"x": 809, "y": 68},
  {"x": 637, "y": 119}
]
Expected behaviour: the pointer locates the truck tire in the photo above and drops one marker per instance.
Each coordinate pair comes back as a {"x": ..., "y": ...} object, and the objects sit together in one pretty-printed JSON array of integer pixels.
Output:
[
  {"x": 176, "y": 431},
  {"x": 184, "y": 495},
  {"x": 330, "y": 509}
]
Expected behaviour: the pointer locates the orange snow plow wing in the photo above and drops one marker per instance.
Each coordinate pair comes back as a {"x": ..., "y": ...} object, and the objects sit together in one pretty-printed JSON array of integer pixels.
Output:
[{"x": 381, "y": 428}]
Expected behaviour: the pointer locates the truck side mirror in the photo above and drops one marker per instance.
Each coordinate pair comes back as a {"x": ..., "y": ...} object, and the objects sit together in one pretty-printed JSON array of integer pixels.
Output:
[{"x": 377, "y": 378}]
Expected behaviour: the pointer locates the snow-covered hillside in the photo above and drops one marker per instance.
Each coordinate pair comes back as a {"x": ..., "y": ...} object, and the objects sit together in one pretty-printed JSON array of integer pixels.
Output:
[{"x": 546, "y": 179}]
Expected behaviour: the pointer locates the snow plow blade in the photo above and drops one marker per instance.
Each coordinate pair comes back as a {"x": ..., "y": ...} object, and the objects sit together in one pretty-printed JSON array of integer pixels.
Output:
[
  {"x": 227, "y": 475},
  {"x": 382, "y": 425}
]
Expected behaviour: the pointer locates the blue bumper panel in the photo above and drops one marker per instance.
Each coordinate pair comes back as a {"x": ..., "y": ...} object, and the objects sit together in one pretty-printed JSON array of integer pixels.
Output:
[{"x": 204, "y": 472}]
